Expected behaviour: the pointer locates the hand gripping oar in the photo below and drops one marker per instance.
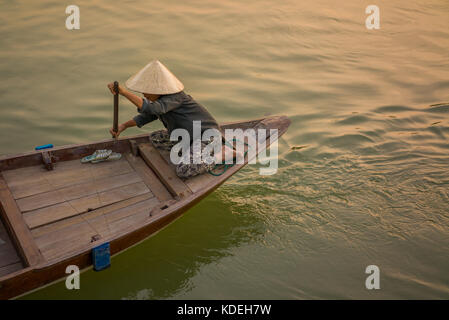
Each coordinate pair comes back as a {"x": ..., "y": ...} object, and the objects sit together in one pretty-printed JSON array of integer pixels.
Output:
[{"x": 115, "y": 124}]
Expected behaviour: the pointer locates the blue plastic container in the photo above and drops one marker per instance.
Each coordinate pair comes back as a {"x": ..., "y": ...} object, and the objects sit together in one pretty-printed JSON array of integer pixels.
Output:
[{"x": 101, "y": 257}]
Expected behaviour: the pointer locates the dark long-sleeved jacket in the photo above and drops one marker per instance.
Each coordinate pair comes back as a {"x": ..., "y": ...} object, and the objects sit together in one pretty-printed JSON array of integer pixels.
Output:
[{"x": 177, "y": 110}]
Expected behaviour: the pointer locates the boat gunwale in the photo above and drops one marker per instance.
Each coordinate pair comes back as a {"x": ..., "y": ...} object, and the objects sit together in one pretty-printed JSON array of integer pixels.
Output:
[{"x": 121, "y": 142}]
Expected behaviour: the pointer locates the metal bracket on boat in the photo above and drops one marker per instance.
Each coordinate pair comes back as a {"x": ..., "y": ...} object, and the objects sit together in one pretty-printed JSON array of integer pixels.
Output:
[
  {"x": 48, "y": 160},
  {"x": 164, "y": 205},
  {"x": 95, "y": 238}
]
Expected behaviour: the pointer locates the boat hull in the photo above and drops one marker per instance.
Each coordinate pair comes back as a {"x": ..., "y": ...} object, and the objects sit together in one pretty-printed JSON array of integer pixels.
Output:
[{"x": 168, "y": 206}]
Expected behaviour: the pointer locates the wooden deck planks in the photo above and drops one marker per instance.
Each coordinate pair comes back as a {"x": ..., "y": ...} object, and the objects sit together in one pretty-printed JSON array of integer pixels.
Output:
[
  {"x": 99, "y": 223},
  {"x": 149, "y": 177},
  {"x": 28, "y": 181},
  {"x": 17, "y": 227},
  {"x": 135, "y": 220},
  {"x": 77, "y": 236},
  {"x": 76, "y": 191},
  {"x": 43, "y": 216},
  {"x": 163, "y": 170},
  {"x": 74, "y": 237},
  {"x": 61, "y": 224},
  {"x": 119, "y": 219},
  {"x": 110, "y": 196},
  {"x": 46, "y": 215}
]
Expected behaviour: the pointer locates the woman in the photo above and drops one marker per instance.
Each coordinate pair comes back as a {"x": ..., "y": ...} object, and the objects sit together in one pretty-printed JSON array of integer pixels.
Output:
[{"x": 164, "y": 99}]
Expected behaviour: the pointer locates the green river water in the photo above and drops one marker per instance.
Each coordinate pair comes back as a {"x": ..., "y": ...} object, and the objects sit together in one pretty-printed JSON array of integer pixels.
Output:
[{"x": 363, "y": 172}]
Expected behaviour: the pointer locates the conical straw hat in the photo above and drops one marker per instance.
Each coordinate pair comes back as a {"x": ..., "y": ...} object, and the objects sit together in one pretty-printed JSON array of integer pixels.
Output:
[{"x": 154, "y": 78}]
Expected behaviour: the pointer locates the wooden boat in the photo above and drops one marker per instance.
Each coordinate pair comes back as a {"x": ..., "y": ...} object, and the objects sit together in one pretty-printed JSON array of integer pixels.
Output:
[{"x": 56, "y": 210}]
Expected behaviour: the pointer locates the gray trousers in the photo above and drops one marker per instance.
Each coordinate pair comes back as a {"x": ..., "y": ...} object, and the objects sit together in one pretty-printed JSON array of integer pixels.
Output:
[{"x": 161, "y": 140}]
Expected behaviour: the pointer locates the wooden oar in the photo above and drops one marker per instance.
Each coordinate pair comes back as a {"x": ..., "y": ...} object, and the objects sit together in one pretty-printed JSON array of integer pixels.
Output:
[{"x": 115, "y": 124}]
